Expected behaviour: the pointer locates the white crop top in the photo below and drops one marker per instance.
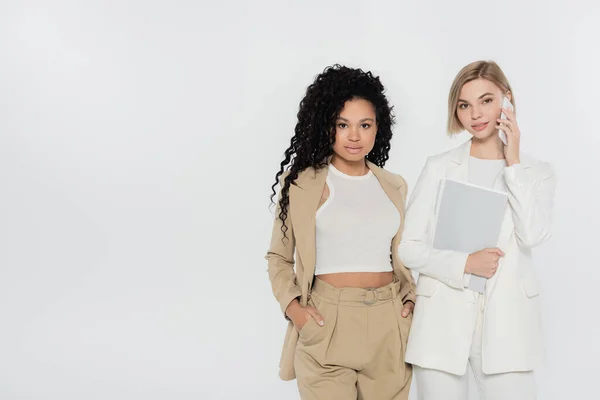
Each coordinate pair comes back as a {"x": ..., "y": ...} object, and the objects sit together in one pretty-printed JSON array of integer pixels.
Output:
[{"x": 355, "y": 226}]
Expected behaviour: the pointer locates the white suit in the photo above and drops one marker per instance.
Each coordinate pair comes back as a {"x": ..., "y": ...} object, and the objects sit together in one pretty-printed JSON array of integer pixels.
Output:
[{"x": 445, "y": 312}]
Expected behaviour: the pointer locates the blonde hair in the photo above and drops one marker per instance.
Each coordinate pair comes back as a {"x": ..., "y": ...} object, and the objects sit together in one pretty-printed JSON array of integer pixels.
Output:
[{"x": 488, "y": 70}]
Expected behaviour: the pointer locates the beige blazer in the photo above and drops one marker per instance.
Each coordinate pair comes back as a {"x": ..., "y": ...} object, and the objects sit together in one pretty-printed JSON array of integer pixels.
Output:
[{"x": 299, "y": 250}]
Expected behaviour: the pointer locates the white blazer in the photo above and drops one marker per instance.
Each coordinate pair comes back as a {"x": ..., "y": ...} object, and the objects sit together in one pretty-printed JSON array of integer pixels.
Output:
[{"x": 444, "y": 316}]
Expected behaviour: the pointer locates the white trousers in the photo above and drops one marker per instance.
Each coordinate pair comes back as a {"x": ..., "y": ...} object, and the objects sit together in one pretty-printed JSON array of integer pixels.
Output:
[{"x": 439, "y": 385}]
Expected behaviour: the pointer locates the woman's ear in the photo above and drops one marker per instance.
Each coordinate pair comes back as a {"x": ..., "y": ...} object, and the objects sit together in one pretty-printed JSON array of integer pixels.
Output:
[{"x": 509, "y": 96}]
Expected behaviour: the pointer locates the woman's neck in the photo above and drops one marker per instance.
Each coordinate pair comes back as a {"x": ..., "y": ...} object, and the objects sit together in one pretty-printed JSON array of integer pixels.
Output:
[
  {"x": 352, "y": 168},
  {"x": 490, "y": 148}
]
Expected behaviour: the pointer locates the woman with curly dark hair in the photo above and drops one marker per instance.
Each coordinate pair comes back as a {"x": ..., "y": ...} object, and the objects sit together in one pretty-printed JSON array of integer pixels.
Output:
[{"x": 339, "y": 220}]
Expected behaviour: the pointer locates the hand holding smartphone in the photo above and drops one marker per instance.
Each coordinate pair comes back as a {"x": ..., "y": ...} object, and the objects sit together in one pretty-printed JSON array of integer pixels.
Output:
[{"x": 508, "y": 105}]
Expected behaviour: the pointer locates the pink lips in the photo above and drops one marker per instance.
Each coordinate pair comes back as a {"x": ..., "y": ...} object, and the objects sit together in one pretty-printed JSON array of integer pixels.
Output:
[
  {"x": 480, "y": 127},
  {"x": 353, "y": 150}
]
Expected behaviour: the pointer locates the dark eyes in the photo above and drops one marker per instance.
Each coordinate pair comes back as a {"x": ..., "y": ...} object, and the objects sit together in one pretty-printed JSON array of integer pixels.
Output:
[
  {"x": 463, "y": 106},
  {"x": 342, "y": 125}
]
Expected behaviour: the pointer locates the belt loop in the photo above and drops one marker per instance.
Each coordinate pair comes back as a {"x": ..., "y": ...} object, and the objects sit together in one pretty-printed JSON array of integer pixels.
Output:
[{"x": 394, "y": 291}]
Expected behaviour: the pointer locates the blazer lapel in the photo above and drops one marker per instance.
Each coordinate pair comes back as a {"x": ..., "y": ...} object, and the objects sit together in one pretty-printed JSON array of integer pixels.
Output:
[
  {"x": 459, "y": 163},
  {"x": 304, "y": 201}
]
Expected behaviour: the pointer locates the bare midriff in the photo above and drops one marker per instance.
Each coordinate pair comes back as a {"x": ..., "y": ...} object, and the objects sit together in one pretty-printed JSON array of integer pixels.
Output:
[{"x": 358, "y": 279}]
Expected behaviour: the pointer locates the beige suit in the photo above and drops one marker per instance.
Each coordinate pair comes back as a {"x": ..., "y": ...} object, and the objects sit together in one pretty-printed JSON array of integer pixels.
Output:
[{"x": 299, "y": 251}]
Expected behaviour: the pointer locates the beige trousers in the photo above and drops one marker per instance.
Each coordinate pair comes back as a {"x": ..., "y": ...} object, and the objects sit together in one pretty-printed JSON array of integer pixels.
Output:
[{"x": 359, "y": 352}]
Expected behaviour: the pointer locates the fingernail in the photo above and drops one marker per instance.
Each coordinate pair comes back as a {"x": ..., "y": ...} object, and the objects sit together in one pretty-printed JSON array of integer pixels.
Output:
[{"x": 321, "y": 323}]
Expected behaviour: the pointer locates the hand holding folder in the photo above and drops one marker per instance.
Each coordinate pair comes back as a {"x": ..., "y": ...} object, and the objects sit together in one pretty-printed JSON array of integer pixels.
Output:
[{"x": 468, "y": 218}]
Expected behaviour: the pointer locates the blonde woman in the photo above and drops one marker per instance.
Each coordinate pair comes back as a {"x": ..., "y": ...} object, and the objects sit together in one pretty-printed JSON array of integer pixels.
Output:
[{"x": 497, "y": 332}]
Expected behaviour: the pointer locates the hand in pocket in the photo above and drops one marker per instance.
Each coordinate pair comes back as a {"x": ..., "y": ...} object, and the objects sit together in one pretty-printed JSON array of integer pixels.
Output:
[{"x": 304, "y": 315}]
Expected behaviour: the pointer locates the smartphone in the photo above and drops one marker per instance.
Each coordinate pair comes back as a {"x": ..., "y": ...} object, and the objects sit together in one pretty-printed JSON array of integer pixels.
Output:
[{"x": 505, "y": 104}]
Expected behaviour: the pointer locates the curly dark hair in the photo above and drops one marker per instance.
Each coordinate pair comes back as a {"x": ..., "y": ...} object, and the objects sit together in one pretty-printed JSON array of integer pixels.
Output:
[{"x": 314, "y": 134}]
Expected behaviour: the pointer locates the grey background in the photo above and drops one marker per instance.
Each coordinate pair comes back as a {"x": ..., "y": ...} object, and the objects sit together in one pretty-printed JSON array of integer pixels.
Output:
[{"x": 138, "y": 141}]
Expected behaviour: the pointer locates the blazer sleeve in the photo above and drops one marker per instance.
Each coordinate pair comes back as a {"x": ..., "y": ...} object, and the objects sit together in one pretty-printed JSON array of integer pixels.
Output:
[
  {"x": 531, "y": 200},
  {"x": 415, "y": 249},
  {"x": 280, "y": 258}
]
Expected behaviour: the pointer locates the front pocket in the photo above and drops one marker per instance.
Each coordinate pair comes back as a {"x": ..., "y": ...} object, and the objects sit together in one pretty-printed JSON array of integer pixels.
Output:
[
  {"x": 311, "y": 320},
  {"x": 404, "y": 324},
  {"x": 311, "y": 332},
  {"x": 306, "y": 326}
]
